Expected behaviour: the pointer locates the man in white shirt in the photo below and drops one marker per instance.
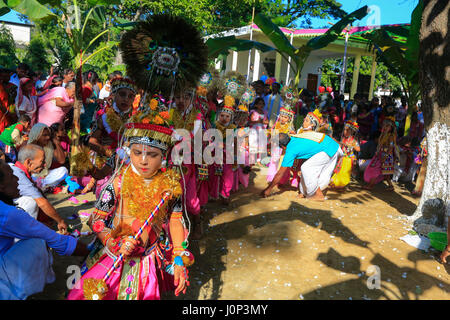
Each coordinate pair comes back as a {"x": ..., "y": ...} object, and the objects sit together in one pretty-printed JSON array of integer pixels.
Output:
[
  {"x": 31, "y": 160},
  {"x": 68, "y": 76},
  {"x": 106, "y": 90}
]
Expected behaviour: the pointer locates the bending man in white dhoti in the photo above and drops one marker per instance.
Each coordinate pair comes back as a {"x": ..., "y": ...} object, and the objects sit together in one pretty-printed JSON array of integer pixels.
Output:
[{"x": 319, "y": 153}]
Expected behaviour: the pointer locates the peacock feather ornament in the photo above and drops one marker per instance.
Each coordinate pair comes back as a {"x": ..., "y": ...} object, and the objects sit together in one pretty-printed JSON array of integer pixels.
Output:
[{"x": 164, "y": 54}]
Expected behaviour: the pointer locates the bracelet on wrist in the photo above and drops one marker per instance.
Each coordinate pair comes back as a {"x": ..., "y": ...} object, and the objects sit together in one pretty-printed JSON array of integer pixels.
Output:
[{"x": 106, "y": 238}]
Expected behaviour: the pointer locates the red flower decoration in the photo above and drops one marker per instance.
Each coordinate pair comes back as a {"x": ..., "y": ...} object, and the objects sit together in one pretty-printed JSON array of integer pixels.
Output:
[{"x": 98, "y": 226}]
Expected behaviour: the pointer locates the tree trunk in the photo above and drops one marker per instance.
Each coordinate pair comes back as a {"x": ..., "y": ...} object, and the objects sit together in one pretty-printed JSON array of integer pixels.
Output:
[
  {"x": 434, "y": 61},
  {"x": 75, "y": 137}
]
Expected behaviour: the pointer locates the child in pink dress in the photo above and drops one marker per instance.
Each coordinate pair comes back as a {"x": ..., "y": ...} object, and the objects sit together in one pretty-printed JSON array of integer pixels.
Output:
[
  {"x": 259, "y": 121},
  {"x": 224, "y": 172},
  {"x": 242, "y": 167}
]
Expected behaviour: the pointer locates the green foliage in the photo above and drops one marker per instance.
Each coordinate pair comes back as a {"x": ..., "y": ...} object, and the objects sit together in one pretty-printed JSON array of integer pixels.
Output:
[
  {"x": 213, "y": 16},
  {"x": 103, "y": 63},
  {"x": 7, "y": 49},
  {"x": 34, "y": 9},
  {"x": 37, "y": 56},
  {"x": 299, "y": 55},
  {"x": 331, "y": 70}
]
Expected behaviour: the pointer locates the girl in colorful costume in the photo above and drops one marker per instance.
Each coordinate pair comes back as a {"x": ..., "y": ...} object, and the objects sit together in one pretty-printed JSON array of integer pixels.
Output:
[
  {"x": 224, "y": 172},
  {"x": 188, "y": 116},
  {"x": 311, "y": 122},
  {"x": 381, "y": 167},
  {"x": 349, "y": 144}
]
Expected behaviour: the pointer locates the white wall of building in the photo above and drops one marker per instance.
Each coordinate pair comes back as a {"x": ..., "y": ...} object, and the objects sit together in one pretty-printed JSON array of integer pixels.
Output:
[
  {"x": 311, "y": 66},
  {"x": 21, "y": 33}
]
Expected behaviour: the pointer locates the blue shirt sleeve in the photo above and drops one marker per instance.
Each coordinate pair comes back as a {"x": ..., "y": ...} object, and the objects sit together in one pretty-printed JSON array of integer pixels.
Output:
[
  {"x": 16, "y": 223},
  {"x": 289, "y": 156}
]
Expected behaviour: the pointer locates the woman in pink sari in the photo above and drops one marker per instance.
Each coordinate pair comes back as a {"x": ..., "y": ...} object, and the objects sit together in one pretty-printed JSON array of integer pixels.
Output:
[{"x": 54, "y": 105}]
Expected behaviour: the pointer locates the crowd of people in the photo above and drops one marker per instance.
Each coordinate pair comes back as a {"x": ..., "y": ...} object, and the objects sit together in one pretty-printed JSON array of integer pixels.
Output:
[{"x": 127, "y": 134}]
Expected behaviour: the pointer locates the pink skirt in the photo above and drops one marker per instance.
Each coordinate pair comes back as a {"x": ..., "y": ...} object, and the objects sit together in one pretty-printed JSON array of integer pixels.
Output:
[
  {"x": 373, "y": 170},
  {"x": 145, "y": 288}
]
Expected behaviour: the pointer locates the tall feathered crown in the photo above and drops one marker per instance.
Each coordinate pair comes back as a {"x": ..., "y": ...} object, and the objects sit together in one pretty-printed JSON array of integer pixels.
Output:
[
  {"x": 233, "y": 84},
  {"x": 208, "y": 82},
  {"x": 290, "y": 96},
  {"x": 164, "y": 54}
]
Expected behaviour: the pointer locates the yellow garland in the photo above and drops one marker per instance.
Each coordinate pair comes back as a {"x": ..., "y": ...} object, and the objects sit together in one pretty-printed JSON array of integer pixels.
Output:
[
  {"x": 229, "y": 101},
  {"x": 153, "y": 104},
  {"x": 142, "y": 198},
  {"x": 283, "y": 128},
  {"x": 223, "y": 129},
  {"x": 114, "y": 121},
  {"x": 82, "y": 163},
  {"x": 94, "y": 289},
  {"x": 158, "y": 120},
  {"x": 202, "y": 91}
]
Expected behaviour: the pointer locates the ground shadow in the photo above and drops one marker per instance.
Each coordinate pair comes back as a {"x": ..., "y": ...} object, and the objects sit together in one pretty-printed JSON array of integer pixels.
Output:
[
  {"x": 405, "y": 280},
  {"x": 211, "y": 251}
]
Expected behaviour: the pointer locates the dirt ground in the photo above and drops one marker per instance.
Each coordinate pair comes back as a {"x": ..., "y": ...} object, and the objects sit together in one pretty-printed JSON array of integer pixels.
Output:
[{"x": 285, "y": 248}]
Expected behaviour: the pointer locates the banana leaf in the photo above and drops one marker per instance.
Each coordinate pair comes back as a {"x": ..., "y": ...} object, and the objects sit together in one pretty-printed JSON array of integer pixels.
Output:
[
  {"x": 222, "y": 45},
  {"x": 4, "y": 9},
  {"x": 275, "y": 35},
  {"x": 413, "y": 41},
  {"x": 382, "y": 38},
  {"x": 103, "y": 2},
  {"x": 333, "y": 33},
  {"x": 33, "y": 9}
]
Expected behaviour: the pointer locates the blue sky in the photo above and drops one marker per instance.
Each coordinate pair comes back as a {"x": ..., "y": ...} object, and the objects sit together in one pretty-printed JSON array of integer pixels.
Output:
[{"x": 390, "y": 12}]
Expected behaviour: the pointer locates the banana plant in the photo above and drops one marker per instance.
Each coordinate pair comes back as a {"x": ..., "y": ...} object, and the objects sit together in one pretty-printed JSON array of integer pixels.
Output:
[
  {"x": 399, "y": 51},
  {"x": 281, "y": 43},
  {"x": 299, "y": 55},
  {"x": 74, "y": 20}
]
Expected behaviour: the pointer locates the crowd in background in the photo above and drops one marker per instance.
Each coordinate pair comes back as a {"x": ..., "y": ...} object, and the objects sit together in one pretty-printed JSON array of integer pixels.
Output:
[{"x": 36, "y": 116}]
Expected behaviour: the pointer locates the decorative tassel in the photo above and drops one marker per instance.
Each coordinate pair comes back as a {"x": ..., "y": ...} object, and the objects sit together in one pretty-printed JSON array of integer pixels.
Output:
[{"x": 94, "y": 289}]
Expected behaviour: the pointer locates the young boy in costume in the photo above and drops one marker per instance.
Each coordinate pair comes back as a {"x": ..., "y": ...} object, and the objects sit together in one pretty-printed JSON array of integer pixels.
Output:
[
  {"x": 125, "y": 203},
  {"x": 14, "y": 136},
  {"x": 105, "y": 135},
  {"x": 283, "y": 124},
  {"x": 349, "y": 145}
]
